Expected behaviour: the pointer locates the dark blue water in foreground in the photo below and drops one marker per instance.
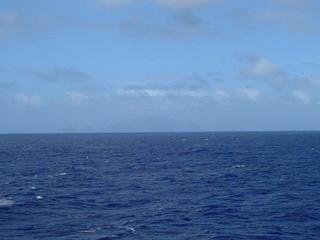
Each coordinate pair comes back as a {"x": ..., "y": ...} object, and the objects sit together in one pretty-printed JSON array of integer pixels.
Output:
[{"x": 160, "y": 186}]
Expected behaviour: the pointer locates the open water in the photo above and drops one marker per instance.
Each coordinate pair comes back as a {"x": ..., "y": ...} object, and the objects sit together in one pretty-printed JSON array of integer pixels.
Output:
[{"x": 169, "y": 186}]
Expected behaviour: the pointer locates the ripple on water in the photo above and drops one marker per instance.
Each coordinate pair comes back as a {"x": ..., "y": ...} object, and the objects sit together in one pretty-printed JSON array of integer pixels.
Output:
[{"x": 6, "y": 202}]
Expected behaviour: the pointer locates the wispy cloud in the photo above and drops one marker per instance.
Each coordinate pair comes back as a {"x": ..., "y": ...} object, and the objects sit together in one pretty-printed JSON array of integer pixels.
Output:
[
  {"x": 192, "y": 85},
  {"x": 301, "y": 96},
  {"x": 298, "y": 16},
  {"x": 184, "y": 4},
  {"x": 116, "y": 3},
  {"x": 28, "y": 100},
  {"x": 171, "y": 4},
  {"x": 16, "y": 25},
  {"x": 221, "y": 95},
  {"x": 63, "y": 74},
  {"x": 257, "y": 66},
  {"x": 249, "y": 93},
  {"x": 205, "y": 92},
  {"x": 292, "y": 16},
  {"x": 260, "y": 68},
  {"x": 182, "y": 19},
  {"x": 177, "y": 20},
  {"x": 176, "y": 25},
  {"x": 76, "y": 98},
  {"x": 153, "y": 92}
]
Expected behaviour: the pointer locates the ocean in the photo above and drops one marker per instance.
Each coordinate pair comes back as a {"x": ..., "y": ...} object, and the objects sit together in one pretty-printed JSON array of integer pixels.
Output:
[{"x": 161, "y": 186}]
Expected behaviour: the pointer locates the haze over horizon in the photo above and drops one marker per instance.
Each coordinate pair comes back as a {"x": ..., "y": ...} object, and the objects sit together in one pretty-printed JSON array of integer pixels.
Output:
[{"x": 159, "y": 65}]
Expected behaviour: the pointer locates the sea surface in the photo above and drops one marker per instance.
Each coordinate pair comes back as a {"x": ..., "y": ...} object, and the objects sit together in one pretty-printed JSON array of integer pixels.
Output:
[{"x": 169, "y": 186}]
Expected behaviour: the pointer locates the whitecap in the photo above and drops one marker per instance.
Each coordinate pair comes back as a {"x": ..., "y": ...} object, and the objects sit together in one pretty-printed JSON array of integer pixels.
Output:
[
  {"x": 6, "y": 202},
  {"x": 239, "y": 166},
  {"x": 39, "y": 197},
  {"x": 129, "y": 229},
  {"x": 62, "y": 174},
  {"x": 91, "y": 230},
  {"x": 88, "y": 231}
]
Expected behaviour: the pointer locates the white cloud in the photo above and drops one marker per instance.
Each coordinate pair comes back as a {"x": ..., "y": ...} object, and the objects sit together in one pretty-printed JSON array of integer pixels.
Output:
[
  {"x": 183, "y": 4},
  {"x": 172, "y": 4},
  {"x": 28, "y": 100},
  {"x": 249, "y": 93},
  {"x": 116, "y": 3},
  {"x": 149, "y": 92},
  {"x": 259, "y": 67},
  {"x": 301, "y": 96},
  {"x": 266, "y": 71},
  {"x": 76, "y": 97},
  {"x": 221, "y": 95}
]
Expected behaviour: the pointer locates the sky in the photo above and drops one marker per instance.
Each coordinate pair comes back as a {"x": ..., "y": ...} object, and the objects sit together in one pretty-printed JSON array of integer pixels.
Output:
[{"x": 159, "y": 65}]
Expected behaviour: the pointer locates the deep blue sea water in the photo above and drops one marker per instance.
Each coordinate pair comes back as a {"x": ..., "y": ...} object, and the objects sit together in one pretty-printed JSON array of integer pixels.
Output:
[{"x": 160, "y": 186}]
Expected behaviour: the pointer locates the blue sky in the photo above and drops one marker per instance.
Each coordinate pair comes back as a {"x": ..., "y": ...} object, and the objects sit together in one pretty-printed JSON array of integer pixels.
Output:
[{"x": 159, "y": 65}]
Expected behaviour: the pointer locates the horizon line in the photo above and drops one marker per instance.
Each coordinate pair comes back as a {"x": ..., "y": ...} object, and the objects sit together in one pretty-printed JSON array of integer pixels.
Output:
[{"x": 156, "y": 132}]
